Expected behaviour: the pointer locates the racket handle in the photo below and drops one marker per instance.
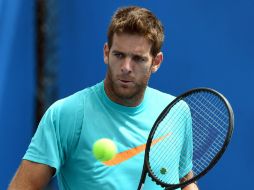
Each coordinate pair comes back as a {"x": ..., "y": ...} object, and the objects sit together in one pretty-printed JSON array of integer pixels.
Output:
[
  {"x": 142, "y": 181},
  {"x": 140, "y": 188}
]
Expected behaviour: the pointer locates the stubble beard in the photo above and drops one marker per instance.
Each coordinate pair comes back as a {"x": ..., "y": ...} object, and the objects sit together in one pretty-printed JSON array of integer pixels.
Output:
[{"x": 133, "y": 94}]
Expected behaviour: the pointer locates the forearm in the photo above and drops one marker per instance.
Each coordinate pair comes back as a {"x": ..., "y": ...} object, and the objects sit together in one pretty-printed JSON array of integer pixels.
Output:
[
  {"x": 31, "y": 176},
  {"x": 191, "y": 186}
]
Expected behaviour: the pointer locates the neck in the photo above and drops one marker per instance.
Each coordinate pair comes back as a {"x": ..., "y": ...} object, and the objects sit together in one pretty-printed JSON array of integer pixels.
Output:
[{"x": 131, "y": 101}]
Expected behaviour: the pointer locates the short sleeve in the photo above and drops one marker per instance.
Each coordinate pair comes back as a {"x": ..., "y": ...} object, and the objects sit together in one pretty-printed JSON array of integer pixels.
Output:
[
  {"x": 58, "y": 132},
  {"x": 45, "y": 146}
]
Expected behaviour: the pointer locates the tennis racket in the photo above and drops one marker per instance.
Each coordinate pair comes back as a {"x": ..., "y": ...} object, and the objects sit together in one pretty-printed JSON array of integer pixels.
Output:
[{"x": 188, "y": 138}]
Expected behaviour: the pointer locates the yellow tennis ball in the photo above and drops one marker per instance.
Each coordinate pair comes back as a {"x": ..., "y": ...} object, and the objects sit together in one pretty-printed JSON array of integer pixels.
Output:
[{"x": 104, "y": 149}]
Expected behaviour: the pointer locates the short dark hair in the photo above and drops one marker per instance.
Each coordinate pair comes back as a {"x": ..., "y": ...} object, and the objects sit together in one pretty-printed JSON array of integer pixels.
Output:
[{"x": 140, "y": 21}]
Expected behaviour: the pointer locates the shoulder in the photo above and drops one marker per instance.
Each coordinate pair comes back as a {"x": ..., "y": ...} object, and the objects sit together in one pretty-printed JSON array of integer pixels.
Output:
[
  {"x": 67, "y": 114},
  {"x": 159, "y": 96},
  {"x": 75, "y": 102},
  {"x": 70, "y": 103},
  {"x": 65, "y": 117},
  {"x": 157, "y": 100}
]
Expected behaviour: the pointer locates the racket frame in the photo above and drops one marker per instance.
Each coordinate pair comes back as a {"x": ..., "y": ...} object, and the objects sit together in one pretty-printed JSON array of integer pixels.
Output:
[{"x": 146, "y": 166}]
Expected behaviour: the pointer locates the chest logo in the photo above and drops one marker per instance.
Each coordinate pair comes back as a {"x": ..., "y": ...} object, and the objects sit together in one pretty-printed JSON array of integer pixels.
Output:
[{"x": 128, "y": 154}]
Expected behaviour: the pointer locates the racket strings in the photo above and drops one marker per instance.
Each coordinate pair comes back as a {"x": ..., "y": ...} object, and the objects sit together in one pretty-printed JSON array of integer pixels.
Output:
[
  {"x": 160, "y": 152},
  {"x": 207, "y": 118},
  {"x": 212, "y": 112},
  {"x": 209, "y": 108},
  {"x": 202, "y": 135},
  {"x": 214, "y": 120}
]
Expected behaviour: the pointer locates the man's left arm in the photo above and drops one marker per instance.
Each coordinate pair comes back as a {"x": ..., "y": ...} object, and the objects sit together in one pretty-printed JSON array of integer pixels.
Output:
[{"x": 192, "y": 186}]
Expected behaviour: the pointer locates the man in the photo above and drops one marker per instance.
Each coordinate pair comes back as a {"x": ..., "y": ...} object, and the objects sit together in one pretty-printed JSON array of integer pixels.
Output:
[{"x": 121, "y": 108}]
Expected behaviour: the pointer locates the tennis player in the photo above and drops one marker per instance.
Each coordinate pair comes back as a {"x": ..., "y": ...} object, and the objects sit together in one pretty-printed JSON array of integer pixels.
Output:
[{"x": 121, "y": 107}]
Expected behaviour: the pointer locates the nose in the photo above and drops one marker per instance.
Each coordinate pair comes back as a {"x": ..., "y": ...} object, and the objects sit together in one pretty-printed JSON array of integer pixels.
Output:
[{"x": 126, "y": 66}]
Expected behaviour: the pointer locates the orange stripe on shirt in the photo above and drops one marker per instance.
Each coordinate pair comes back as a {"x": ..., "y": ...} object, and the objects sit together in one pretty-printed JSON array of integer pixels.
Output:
[{"x": 123, "y": 156}]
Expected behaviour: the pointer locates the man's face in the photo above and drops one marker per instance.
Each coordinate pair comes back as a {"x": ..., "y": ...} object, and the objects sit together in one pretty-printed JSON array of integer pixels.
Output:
[{"x": 129, "y": 68}]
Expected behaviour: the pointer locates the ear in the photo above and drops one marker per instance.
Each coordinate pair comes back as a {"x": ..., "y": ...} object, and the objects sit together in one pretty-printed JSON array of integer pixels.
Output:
[
  {"x": 106, "y": 53},
  {"x": 157, "y": 62}
]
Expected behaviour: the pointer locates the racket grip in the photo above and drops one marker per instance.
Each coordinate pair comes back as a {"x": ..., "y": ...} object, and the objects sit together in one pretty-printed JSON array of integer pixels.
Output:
[
  {"x": 142, "y": 179},
  {"x": 141, "y": 186}
]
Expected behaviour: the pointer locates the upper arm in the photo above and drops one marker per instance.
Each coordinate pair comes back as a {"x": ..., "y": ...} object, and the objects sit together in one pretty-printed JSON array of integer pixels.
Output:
[{"x": 31, "y": 176}]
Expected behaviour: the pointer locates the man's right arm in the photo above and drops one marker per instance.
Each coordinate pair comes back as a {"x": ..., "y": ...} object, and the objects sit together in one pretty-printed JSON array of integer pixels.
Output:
[{"x": 31, "y": 176}]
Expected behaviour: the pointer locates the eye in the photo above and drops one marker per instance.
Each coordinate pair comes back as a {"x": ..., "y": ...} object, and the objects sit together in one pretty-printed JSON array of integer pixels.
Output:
[
  {"x": 118, "y": 55},
  {"x": 139, "y": 59}
]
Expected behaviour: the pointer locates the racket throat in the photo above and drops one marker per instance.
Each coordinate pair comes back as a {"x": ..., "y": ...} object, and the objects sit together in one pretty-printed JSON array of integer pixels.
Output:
[{"x": 142, "y": 180}]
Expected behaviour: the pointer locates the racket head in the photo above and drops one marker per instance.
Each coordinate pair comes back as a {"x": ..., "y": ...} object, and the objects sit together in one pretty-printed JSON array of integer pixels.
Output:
[{"x": 211, "y": 130}]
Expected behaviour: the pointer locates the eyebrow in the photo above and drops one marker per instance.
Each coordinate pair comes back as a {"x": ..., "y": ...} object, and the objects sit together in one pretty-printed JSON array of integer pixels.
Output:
[{"x": 130, "y": 54}]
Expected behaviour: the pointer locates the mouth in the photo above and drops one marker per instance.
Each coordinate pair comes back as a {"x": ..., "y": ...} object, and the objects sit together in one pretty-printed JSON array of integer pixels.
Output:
[{"x": 125, "y": 82}]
